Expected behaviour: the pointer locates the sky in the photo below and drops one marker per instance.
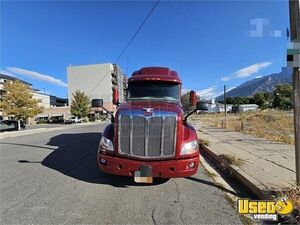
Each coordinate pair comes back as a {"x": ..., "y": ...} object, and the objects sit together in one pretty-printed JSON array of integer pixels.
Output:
[{"x": 209, "y": 43}]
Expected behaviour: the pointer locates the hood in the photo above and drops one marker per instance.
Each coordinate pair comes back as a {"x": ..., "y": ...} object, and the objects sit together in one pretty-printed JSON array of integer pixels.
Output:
[{"x": 156, "y": 106}]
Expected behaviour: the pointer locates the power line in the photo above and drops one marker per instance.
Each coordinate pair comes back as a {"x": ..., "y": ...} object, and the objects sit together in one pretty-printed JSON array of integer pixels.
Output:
[
  {"x": 130, "y": 41},
  {"x": 135, "y": 34},
  {"x": 108, "y": 72}
]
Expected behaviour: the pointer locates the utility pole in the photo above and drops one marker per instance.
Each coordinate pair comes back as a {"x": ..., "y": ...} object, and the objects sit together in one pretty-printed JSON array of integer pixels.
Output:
[
  {"x": 225, "y": 105},
  {"x": 295, "y": 39}
]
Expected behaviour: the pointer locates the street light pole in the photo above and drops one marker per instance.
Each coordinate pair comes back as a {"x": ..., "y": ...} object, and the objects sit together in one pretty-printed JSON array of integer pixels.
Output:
[
  {"x": 295, "y": 39},
  {"x": 296, "y": 87},
  {"x": 225, "y": 105}
]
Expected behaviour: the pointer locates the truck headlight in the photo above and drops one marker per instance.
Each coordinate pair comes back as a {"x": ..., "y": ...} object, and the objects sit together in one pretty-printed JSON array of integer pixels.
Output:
[
  {"x": 106, "y": 144},
  {"x": 189, "y": 148}
]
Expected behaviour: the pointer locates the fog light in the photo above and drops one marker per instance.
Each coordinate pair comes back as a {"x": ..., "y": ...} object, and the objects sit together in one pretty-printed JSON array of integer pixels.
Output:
[
  {"x": 192, "y": 165},
  {"x": 103, "y": 161}
]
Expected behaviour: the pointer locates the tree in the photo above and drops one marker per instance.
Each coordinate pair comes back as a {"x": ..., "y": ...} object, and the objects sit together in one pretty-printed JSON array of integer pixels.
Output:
[
  {"x": 185, "y": 101},
  {"x": 80, "y": 104},
  {"x": 240, "y": 100},
  {"x": 263, "y": 99},
  {"x": 283, "y": 97},
  {"x": 230, "y": 100},
  {"x": 17, "y": 101}
]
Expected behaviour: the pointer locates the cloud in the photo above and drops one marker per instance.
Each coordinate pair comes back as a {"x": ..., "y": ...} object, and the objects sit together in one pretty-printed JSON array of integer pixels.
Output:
[
  {"x": 225, "y": 78},
  {"x": 212, "y": 92},
  {"x": 231, "y": 88},
  {"x": 258, "y": 77},
  {"x": 247, "y": 71},
  {"x": 7, "y": 73},
  {"x": 209, "y": 93},
  {"x": 37, "y": 76}
]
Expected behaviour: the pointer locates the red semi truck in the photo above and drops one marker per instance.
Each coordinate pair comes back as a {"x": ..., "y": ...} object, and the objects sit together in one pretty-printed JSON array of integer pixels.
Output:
[{"x": 149, "y": 136}]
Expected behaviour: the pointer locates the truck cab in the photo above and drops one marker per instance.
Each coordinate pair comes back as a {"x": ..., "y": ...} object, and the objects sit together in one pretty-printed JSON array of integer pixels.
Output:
[{"x": 149, "y": 135}]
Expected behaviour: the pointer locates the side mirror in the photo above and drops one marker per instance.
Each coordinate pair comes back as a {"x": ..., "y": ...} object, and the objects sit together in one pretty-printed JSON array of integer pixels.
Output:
[
  {"x": 193, "y": 98},
  {"x": 97, "y": 103},
  {"x": 115, "y": 96},
  {"x": 202, "y": 106}
]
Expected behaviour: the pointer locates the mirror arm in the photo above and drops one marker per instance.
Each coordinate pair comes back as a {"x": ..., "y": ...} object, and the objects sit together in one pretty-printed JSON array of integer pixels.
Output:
[
  {"x": 190, "y": 113},
  {"x": 110, "y": 113}
]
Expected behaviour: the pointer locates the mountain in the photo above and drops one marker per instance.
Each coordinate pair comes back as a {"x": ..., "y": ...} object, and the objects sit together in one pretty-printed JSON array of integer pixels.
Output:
[{"x": 261, "y": 84}]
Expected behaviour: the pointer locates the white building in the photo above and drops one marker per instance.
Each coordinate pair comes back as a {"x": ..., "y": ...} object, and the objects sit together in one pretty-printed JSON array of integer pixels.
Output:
[
  {"x": 247, "y": 107},
  {"x": 51, "y": 104},
  {"x": 97, "y": 81},
  {"x": 44, "y": 99},
  {"x": 5, "y": 78},
  {"x": 211, "y": 105},
  {"x": 221, "y": 108},
  {"x": 214, "y": 107}
]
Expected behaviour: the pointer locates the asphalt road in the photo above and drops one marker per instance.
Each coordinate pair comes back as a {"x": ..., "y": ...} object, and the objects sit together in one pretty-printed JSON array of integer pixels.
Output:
[{"x": 52, "y": 178}]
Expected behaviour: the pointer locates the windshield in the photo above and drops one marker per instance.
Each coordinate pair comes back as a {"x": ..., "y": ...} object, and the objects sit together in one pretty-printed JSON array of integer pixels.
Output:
[{"x": 141, "y": 90}]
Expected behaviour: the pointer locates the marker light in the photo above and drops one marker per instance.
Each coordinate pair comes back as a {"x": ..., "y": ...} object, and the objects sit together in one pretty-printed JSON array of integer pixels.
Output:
[{"x": 192, "y": 165}]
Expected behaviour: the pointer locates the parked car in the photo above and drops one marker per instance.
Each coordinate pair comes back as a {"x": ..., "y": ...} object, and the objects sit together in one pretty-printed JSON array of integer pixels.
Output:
[
  {"x": 42, "y": 120},
  {"x": 73, "y": 119},
  {"x": 8, "y": 125},
  {"x": 56, "y": 119}
]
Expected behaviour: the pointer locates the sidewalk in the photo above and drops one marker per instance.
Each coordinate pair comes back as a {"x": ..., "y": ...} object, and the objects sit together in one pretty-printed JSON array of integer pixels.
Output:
[
  {"x": 265, "y": 165},
  {"x": 31, "y": 131}
]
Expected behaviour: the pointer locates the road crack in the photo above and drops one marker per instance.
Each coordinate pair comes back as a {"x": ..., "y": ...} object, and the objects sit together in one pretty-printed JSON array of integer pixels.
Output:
[
  {"x": 178, "y": 200},
  {"x": 23, "y": 200},
  {"x": 152, "y": 216}
]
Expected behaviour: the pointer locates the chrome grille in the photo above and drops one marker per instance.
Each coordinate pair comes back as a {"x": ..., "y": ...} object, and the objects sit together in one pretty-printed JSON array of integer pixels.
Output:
[{"x": 147, "y": 137}]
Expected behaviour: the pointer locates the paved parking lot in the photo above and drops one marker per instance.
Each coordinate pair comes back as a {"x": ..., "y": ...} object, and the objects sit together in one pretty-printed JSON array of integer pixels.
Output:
[{"x": 52, "y": 178}]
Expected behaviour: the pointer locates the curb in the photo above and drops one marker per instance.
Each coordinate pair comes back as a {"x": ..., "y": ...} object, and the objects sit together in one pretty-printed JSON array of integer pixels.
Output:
[
  {"x": 229, "y": 171},
  {"x": 29, "y": 132},
  {"x": 232, "y": 173},
  {"x": 231, "y": 196}
]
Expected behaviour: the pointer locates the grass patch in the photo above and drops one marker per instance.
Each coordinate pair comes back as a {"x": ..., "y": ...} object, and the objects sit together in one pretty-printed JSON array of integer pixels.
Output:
[
  {"x": 230, "y": 200},
  {"x": 245, "y": 219},
  {"x": 231, "y": 159},
  {"x": 204, "y": 141},
  {"x": 292, "y": 193},
  {"x": 274, "y": 125},
  {"x": 210, "y": 174}
]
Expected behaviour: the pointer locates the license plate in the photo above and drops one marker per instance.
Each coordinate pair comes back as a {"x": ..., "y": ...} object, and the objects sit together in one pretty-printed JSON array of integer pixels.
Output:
[{"x": 144, "y": 175}]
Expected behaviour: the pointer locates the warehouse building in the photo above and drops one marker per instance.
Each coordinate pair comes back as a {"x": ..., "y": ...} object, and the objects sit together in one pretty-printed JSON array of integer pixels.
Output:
[{"x": 97, "y": 82}]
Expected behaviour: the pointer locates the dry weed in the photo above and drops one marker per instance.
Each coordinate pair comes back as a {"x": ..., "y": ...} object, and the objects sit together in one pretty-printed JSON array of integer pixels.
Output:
[{"x": 270, "y": 124}]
